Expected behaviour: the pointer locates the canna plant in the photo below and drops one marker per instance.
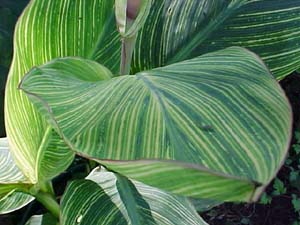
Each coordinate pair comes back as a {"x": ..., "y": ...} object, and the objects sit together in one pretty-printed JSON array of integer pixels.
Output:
[{"x": 156, "y": 93}]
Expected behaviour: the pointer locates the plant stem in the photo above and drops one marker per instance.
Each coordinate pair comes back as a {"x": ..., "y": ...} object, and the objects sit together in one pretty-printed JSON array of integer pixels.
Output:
[
  {"x": 47, "y": 187},
  {"x": 128, "y": 45},
  {"x": 49, "y": 202}
]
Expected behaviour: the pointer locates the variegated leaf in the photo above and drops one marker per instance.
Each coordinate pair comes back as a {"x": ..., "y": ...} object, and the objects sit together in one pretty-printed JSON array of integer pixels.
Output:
[
  {"x": 137, "y": 203},
  {"x": 47, "y": 30},
  {"x": 13, "y": 201},
  {"x": 174, "y": 30},
  {"x": 180, "y": 30},
  {"x": 11, "y": 177},
  {"x": 217, "y": 126},
  {"x": 45, "y": 219}
]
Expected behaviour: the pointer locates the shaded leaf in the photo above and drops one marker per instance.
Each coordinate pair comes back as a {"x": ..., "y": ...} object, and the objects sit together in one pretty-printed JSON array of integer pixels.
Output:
[
  {"x": 180, "y": 30},
  {"x": 84, "y": 202},
  {"x": 45, "y": 219}
]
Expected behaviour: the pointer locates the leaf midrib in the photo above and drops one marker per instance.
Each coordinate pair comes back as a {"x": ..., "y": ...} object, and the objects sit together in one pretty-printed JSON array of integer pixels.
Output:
[
  {"x": 170, "y": 129},
  {"x": 43, "y": 145}
]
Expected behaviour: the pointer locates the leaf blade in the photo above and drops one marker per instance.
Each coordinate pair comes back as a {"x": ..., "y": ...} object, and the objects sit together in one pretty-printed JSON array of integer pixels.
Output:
[
  {"x": 215, "y": 117},
  {"x": 11, "y": 177},
  {"x": 178, "y": 30},
  {"x": 14, "y": 201},
  {"x": 83, "y": 203},
  {"x": 45, "y": 219},
  {"x": 46, "y": 30},
  {"x": 154, "y": 205}
]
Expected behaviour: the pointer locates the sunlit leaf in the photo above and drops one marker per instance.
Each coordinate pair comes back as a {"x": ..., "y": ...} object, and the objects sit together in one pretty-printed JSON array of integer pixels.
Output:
[{"x": 47, "y": 30}]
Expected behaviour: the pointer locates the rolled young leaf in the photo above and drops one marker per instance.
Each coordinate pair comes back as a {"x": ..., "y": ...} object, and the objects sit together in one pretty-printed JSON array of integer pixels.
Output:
[
  {"x": 179, "y": 30},
  {"x": 131, "y": 15},
  {"x": 138, "y": 203},
  {"x": 217, "y": 126},
  {"x": 121, "y": 16}
]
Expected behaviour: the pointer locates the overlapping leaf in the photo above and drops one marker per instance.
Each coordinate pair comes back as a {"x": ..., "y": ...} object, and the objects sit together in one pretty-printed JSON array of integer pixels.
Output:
[
  {"x": 11, "y": 180},
  {"x": 10, "y": 176},
  {"x": 46, "y": 30},
  {"x": 84, "y": 202},
  {"x": 216, "y": 126},
  {"x": 174, "y": 30},
  {"x": 135, "y": 203},
  {"x": 14, "y": 201},
  {"x": 179, "y": 30},
  {"x": 45, "y": 219}
]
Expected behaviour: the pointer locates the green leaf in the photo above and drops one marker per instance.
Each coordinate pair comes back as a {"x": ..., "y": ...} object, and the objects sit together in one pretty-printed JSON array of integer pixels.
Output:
[
  {"x": 296, "y": 203},
  {"x": 14, "y": 201},
  {"x": 138, "y": 203},
  {"x": 296, "y": 148},
  {"x": 297, "y": 136},
  {"x": 216, "y": 126},
  {"x": 265, "y": 199},
  {"x": 137, "y": 208},
  {"x": 45, "y": 219},
  {"x": 85, "y": 203},
  {"x": 179, "y": 30},
  {"x": 47, "y": 30},
  {"x": 279, "y": 187},
  {"x": 294, "y": 175},
  {"x": 11, "y": 181},
  {"x": 11, "y": 177},
  {"x": 164, "y": 207},
  {"x": 51, "y": 29}
]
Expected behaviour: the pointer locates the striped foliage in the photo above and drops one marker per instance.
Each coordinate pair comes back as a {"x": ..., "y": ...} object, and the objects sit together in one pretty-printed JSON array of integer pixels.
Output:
[
  {"x": 11, "y": 179},
  {"x": 135, "y": 203},
  {"x": 174, "y": 30},
  {"x": 14, "y": 201},
  {"x": 47, "y": 30},
  {"x": 10, "y": 175},
  {"x": 179, "y": 30},
  {"x": 84, "y": 202},
  {"x": 217, "y": 126},
  {"x": 45, "y": 219}
]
